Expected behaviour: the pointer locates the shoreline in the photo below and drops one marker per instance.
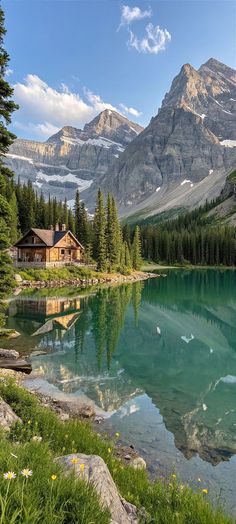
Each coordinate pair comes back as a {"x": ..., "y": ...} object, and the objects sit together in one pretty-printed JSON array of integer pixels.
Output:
[{"x": 110, "y": 279}]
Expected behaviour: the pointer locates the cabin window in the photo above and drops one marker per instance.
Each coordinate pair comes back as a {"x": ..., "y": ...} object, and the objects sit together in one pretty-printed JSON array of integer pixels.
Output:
[
  {"x": 69, "y": 251},
  {"x": 62, "y": 251}
]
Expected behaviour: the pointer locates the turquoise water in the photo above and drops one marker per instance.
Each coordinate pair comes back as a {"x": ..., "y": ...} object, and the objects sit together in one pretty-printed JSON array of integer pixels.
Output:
[{"x": 159, "y": 358}]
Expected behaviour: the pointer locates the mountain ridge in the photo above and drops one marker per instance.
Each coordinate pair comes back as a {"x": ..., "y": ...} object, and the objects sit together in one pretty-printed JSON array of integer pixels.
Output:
[
  {"x": 71, "y": 158},
  {"x": 181, "y": 158},
  {"x": 185, "y": 153}
]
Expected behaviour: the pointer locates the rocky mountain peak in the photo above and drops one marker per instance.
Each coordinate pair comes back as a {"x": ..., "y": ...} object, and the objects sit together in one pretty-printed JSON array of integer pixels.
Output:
[
  {"x": 186, "y": 89},
  {"x": 219, "y": 68},
  {"x": 112, "y": 125},
  {"x": 65, "y": 132}
]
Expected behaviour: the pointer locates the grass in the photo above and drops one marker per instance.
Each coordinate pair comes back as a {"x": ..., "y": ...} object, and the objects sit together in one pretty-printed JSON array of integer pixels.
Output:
[
  {"x": 67, "y": 273},
  {"x": 62, "y": 273},
  {"x": 232, "y": 175},
  {"x": 68, "y": 500}
]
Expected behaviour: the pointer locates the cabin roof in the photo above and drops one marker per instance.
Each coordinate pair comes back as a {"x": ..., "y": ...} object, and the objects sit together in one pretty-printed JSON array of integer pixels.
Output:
[{"x": 49, "y": 237}]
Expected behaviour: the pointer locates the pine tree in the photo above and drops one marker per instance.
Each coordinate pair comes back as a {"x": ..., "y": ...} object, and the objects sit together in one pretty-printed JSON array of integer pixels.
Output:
[
  {"x": 136, "y": 249},
  {"x": 7, "y": 106},
  {"x": 77, "y": 213},
  {"x": 14, "y": 218},
  {"x": 127, "y": 257},
  {"x": 117, "y": 239},
  {"x": 99, "y": 248}
]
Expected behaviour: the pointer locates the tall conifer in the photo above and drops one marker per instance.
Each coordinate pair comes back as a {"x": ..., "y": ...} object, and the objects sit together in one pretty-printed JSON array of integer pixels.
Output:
[
  {"x": 136, "y": 249},
  {"x": 100, "y": 233},
  {"x": 7, "y": 106}
]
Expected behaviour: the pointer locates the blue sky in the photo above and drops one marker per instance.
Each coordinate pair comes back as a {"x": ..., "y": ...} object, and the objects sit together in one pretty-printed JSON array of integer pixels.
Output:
[{"x": 70, "y": 59}]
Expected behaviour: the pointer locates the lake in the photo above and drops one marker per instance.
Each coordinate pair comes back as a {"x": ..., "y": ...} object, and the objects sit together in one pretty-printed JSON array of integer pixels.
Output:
[{"x": 158, "y": 357}]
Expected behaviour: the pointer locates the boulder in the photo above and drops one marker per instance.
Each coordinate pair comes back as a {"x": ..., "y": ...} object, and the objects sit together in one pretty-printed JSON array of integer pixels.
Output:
[
  {"x": 138, "y": 463},
  {"x": 16, "y": 365},
  {"x": 18, "y": 278},
  {"x": 9, "y": 353},
  {"x": 96, "y": 472},
  {"x": 7, "y": 416}
]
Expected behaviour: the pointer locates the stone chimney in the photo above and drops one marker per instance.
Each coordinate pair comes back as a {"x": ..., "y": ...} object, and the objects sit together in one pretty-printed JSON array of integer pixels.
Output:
[
  {"x": 57, "y": 228},
  {"x": 51, "y": 227},
  {"x": 62, "y": 227}
]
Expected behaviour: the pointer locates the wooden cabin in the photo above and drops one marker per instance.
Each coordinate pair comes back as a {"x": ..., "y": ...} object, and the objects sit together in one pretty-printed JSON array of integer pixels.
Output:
[{"x": 44, "y": 248}]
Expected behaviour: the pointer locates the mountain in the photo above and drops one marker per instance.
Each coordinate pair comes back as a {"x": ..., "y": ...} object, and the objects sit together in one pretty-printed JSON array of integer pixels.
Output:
[
  {"x": 185, "y": 153},
  {"x": 73, "y": 158}
]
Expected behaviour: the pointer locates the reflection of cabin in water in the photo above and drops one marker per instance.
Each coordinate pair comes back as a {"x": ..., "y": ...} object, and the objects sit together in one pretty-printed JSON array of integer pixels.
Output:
[
  {"x": 48, "y": 248},
  {"x": 44, "y": 307},
  {"x": 50, "y": 312}
]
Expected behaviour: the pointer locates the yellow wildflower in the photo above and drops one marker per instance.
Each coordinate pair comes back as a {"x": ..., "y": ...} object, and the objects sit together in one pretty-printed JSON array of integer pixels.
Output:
[
  {"x": 117, "y": 434},
  {"x": 109, "y": 450},
  {"x": 205, "y": 491},
  {"x": 29, "y": 422},
  {"x": 74, "y": 460},
  {"x": 81, "y": 467},
  {"x": 173, "y": 475},
  {"x": 54, "y": 477}
]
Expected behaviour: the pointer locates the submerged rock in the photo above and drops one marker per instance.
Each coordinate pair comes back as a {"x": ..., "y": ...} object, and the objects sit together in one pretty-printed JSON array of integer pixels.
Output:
[{"x": 93, "y": 469}]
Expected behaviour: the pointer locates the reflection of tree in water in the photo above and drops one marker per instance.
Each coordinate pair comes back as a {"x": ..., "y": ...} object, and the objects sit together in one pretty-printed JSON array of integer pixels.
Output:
[
  {"x": 80, "y": 329},
  {"x": 108, "y": 312},
  {"x": 136, "y": 299},
  {"x": 198, "y": 286}
]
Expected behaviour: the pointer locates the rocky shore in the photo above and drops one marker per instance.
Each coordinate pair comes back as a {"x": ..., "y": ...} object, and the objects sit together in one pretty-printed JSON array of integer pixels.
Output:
[{"x": 84, "y": 282}]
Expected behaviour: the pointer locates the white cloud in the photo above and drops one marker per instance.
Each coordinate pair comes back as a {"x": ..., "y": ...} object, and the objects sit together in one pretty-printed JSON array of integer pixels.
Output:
[
  {"x": 155, "y": 40},
  {"x": 44, "y": 110},
  {"x": 130, "y": 110},
  {"x": 9, "y": 72},
  {"x": 97, "y": 103},
  {"x": 43, "y": 130},
  {"x": 131, "y": 14}
]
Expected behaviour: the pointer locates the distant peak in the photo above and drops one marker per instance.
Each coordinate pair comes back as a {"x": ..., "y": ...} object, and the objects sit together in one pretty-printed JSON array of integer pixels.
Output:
[
  {"x": 188, "y": 69},
  {"x": 213, "y": 63},
  {"x": 109, "y": 118}
]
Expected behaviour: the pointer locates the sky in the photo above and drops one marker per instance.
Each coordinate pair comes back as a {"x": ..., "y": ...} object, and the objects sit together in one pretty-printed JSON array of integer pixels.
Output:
[{"x": 71, "y": 59}]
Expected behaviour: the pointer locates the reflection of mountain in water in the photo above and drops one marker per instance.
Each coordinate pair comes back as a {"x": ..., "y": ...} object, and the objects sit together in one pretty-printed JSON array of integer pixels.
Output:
[
  {"x": 185, "y": 349},
  {"x": 173, "y": 338}
]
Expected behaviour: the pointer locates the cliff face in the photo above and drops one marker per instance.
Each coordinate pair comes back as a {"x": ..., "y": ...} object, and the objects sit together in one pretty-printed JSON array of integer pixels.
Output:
[
  {"x": 73, "y": 158},
  {"x": 187, "y": 149}
]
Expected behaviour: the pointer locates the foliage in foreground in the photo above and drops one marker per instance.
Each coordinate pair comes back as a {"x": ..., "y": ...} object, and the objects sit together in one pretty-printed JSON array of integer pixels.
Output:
[{"x": 165, "y": 502}]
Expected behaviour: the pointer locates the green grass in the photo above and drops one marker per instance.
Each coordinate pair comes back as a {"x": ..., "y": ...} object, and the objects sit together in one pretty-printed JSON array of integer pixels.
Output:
[
  {"x": 66, "y": 499},
  {"x": 232, "y": 176},
  {"x": 63, "y": 273}
]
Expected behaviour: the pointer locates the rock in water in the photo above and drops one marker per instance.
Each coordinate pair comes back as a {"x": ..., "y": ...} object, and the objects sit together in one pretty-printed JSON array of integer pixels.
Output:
[
  {"x": 7, "y": 416},
  {"x": 95, "y": 471},
  {"x": 16, "y": 365}
]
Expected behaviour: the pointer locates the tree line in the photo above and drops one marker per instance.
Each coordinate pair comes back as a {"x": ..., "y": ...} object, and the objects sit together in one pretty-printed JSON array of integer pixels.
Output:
[{"x": 190, "y": 238}]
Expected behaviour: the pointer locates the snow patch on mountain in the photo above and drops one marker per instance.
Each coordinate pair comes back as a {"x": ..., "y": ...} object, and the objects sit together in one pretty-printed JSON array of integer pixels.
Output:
[
  {"x": 186, "y": 182},
  {"x": 82, "y": 184},
  {"x": 19, "y": 157},
  {"x": 228, "y": 143}
]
